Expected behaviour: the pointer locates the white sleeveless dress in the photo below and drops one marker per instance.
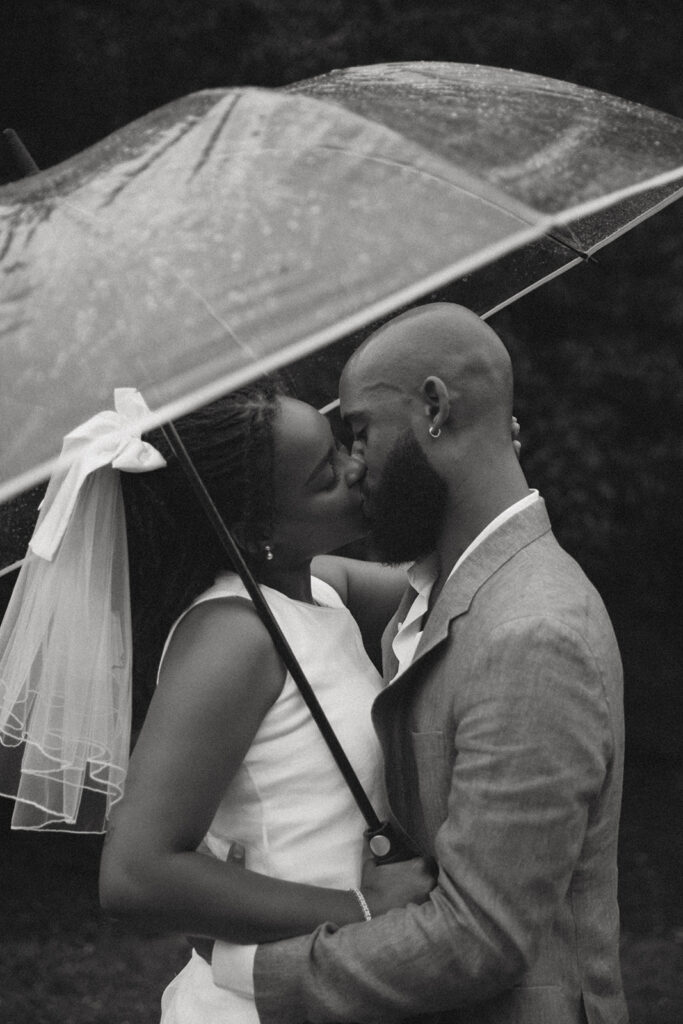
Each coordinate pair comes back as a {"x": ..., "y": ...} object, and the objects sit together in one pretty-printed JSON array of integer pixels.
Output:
[{"x": 288, "y": 804}]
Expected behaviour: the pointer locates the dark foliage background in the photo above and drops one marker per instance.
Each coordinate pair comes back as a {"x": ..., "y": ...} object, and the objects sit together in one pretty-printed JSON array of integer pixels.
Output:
[{"x": 598, "y": 367}]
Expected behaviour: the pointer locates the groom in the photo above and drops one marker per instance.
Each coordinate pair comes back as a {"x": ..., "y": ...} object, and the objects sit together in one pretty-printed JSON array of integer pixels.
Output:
[{"x": 501, "y": 722}]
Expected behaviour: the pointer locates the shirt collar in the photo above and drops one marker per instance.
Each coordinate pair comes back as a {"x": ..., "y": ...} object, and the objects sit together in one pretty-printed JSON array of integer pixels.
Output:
[{"x": 423, "y": 573}]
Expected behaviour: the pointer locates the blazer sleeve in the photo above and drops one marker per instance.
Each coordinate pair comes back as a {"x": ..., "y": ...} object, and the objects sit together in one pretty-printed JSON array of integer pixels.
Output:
[{"x": 533, "y": 747}]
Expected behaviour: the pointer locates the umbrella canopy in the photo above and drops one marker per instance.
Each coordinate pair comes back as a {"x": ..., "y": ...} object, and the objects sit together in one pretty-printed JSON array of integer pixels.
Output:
[{"x": 233, "y": 231}]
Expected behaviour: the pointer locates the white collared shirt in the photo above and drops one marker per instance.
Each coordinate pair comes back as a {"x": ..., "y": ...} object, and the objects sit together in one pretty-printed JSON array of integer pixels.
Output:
[{"x": 422, "y": 576}]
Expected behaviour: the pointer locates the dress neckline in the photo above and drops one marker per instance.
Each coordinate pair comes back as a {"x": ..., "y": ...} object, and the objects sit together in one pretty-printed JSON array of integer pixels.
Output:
[{"x": 306, "y": 604}]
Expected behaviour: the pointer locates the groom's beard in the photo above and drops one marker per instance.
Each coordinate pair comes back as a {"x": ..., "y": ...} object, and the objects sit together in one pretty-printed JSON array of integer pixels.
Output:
[{"x": 407, "y": 508}]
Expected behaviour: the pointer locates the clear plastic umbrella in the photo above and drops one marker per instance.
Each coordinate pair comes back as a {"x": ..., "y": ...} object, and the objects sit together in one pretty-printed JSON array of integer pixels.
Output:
[{"x": 234, "y": 231}]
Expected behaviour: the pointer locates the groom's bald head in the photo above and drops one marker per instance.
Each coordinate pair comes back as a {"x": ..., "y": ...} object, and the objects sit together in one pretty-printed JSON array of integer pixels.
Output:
[
  {"x": 446, "y": 341},
  {"x": 428, "y": 398}
]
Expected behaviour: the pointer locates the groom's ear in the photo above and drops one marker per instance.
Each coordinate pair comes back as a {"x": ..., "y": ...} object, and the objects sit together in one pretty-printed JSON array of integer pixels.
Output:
[{"x": 437, "y": 402}]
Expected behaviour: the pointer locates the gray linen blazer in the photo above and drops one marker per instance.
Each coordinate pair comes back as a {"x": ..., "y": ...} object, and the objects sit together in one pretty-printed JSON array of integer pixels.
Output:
[{"x": 503, "y": 744}]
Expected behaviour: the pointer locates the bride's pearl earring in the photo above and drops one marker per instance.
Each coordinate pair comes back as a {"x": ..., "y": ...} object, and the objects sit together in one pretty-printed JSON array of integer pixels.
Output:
[
  {"x": 268, "y": 552},
  {"x": 434, "y": 431}
]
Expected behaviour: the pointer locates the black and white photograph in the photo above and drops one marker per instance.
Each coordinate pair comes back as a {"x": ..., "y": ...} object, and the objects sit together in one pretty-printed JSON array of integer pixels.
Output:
[{"x": 341, "y": 448}]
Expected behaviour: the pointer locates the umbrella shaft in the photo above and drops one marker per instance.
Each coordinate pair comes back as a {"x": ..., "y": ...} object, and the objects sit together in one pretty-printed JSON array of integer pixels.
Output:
[{"x": 277, "y": 636}]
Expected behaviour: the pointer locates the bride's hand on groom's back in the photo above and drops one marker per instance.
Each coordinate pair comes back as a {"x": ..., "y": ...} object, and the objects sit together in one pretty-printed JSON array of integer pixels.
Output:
[{"x": 395, "y": 885}]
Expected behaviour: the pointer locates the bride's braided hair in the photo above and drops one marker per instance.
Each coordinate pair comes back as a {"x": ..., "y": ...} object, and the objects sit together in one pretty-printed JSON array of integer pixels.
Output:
[{"x": 173, "y": 552}]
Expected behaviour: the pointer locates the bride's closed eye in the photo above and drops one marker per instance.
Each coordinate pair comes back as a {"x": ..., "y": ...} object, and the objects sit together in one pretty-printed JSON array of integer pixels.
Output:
[{"x": 333, "y": 480}]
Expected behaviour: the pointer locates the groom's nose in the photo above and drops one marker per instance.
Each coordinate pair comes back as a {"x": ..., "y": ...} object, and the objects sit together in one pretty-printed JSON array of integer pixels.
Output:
[{"x": 355, "y": 470}]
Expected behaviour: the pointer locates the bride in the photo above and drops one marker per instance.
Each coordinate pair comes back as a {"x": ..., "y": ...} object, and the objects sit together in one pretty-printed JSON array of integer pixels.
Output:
[{"x": 228, "y": 753}]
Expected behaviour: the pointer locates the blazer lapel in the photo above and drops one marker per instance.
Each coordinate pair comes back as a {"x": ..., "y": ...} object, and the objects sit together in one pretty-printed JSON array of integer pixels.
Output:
[{"x": 457, "y": 595}]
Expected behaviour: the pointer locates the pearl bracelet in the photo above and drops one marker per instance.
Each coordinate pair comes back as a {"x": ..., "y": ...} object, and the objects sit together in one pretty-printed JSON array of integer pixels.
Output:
[{"x": 363, "y": 903}]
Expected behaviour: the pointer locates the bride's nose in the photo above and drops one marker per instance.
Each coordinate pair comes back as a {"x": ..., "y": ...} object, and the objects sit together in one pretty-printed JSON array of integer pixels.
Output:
[{"x": 355, "y": 470}]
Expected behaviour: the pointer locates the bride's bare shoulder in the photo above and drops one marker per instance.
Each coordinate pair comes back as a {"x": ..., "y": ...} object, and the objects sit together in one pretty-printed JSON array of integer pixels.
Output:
[{"x": 221, "y": 641}]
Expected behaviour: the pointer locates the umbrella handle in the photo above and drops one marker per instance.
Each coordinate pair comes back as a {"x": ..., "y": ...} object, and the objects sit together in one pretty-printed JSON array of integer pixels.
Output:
[{"x": 388, "y": 845}]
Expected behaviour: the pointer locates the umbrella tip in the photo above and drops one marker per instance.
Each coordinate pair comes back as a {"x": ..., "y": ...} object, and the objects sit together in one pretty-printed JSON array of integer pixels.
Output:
[{"x": 19, "y": 162}]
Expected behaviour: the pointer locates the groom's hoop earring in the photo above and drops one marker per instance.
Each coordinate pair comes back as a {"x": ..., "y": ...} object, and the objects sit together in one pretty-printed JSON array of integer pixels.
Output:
[
  {"x": 434, "y": 431},
  {"x": 268, "y": 552}
]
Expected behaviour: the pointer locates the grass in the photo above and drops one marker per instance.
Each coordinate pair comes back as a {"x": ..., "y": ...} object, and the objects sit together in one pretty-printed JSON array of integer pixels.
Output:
[{"x": 63, "y": 962}]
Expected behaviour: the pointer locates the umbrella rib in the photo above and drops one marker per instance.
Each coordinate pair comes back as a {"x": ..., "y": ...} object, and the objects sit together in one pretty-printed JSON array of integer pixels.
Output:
[
  {"x": 524, "y": 213},
  {"x": 242, "y": 345},
  {"x": 591, "y": 206},
  {"x": 531, "y": 288},
  {"x": 635, "y": 221},
  {"x": 211, "y": 141},
  {"x": 147, "y": 164},
  {"x": 568, "y": 245},
  {"x": 516, "y": 208}
]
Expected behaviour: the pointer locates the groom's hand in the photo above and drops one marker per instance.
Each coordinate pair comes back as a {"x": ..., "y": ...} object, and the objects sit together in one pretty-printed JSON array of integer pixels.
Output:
[
  {"x": 386, "y": 886},
  {"x": 200, "y": 944}
]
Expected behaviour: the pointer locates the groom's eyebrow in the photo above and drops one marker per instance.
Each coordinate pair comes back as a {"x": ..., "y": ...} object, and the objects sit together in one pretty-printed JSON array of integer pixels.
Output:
[{"x": 350, "y": 415}]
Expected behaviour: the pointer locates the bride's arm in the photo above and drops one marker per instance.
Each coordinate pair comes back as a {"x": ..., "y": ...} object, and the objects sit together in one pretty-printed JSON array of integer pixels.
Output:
[
  {"x": 212, "y": 696},
  {"x": 371, "y": 591}
]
